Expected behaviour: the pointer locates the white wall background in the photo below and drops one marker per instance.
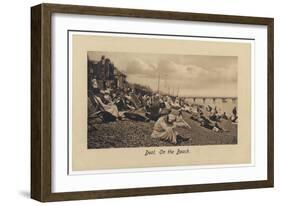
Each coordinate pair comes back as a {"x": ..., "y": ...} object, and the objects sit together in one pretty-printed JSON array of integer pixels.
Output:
[{"x": 15, "y": 102}]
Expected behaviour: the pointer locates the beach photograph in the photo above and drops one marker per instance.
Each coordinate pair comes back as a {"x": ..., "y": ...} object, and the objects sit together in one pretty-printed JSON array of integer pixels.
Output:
[{"x": 156, "y": 100}]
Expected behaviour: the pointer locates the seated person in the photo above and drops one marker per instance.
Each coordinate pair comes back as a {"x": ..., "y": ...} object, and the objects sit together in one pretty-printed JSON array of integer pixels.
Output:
[
  {"x": 109, "y": 107},
  {"x": 164, "y": 128}
]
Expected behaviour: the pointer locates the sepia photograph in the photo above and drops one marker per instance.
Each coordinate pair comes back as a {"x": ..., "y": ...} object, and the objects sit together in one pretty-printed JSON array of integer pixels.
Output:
[{"x": 156, "y": 100}]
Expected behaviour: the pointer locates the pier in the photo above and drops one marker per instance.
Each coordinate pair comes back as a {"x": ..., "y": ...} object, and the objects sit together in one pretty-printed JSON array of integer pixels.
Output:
[{"x": 214, "y": 99}]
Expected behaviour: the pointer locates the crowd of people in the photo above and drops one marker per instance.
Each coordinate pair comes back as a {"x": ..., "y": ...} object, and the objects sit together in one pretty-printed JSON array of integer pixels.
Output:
[
  {"x": 107, "y": 104},
  {"x": 120, "y": 104}
]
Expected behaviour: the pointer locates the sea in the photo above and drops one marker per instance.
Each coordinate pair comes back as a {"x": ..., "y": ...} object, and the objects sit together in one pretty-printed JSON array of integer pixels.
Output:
[{"x": 223, "y": 105}]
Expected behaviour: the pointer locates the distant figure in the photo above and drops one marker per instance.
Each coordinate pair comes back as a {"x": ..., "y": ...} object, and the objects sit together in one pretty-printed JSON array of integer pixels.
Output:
[
  {"x": 209, "y": 108},
  {"x": 234, "y": 116},
  {"x": 234, "y": 111},
  {"x": 224, "y": 116}
]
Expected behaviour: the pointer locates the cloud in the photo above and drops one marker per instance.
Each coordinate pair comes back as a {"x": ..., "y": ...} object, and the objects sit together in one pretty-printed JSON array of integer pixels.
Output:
[
  {"x": 167, "y": 66},
  {"x": 140, "y": 67},
  {"x": 190, "y": 74},
  {"x": 193, "y": 74}
]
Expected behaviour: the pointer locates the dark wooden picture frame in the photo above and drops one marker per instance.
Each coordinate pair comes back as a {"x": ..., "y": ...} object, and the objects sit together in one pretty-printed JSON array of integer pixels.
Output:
[{"x": 41, "y": 117}]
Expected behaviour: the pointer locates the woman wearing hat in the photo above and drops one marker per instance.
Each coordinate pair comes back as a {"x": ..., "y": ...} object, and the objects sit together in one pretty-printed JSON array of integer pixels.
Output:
[{"x": 164, "y": 128}]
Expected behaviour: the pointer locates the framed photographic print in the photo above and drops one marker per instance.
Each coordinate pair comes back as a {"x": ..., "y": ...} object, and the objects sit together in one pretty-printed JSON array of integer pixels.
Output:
[{"x": 132, "y": 102}]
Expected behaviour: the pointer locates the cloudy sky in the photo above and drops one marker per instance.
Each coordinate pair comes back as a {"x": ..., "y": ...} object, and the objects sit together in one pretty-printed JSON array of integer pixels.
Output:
[{"x": 188, "y": 75}]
